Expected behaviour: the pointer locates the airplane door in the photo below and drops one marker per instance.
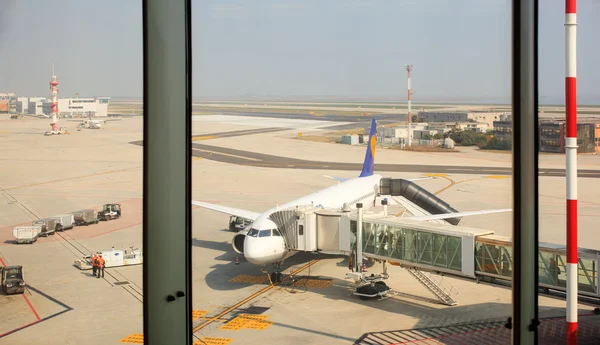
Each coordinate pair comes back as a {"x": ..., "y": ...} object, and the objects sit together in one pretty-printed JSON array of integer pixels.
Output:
[{"x": 300, "y": 230}]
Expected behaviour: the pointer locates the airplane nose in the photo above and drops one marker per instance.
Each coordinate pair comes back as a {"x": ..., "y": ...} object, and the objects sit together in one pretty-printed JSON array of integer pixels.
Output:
[
  {"x": 252, "y": 252},
  {"x": 261, "y": 251}
]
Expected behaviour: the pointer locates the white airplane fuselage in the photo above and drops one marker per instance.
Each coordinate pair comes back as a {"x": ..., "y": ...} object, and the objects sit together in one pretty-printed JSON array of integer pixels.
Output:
[{"x": 257, "y": 242}]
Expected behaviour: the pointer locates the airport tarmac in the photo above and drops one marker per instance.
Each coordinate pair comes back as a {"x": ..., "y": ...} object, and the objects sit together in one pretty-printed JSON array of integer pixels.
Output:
[{"x": 45, "y": 176}]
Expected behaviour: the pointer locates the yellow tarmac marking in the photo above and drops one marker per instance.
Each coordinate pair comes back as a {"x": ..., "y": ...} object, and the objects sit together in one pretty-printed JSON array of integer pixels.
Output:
[
  {"x": 248, "y": 279},
  {"x": 196, "y": 314},
  {"x": 213, "y": 341},
  {"x": 452, "y": 183},
  {"x": 248, "y": 321},
  {"x": 199, "y": 158},
  {"x": 204, "y": 137},
  {"x": 313, "y": 283},
  {"x": 436, "y": 175},
  {"x": 253, "y": 296},
  {"x": 133, "y": 339},
  {"x": 497, "y": 176}
]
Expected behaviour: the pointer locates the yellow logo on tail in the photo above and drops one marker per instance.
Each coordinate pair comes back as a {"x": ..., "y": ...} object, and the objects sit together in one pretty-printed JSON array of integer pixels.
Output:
[{"x": 373, "y": 143}]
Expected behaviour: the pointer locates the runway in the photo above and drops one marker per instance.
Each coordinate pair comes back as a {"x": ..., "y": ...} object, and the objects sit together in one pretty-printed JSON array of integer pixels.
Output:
[
  {"x": 355, "y": 120},
  {"x": 247, "y": 158}
]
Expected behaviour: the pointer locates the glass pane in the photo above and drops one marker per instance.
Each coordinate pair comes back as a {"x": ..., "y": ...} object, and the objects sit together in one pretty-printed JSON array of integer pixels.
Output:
[
  {"x": 410, "y": 245},
  {"x": 588, "y": 275},
  {"x": 549, "y": 269},
  {"x": 455, "y": 253},
  {"x": 440, "y": 251},
  {"x": 425, "y": 246}
]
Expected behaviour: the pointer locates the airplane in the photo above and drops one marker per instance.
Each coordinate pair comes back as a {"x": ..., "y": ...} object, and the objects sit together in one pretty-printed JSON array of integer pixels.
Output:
[{"x": 262, "y": 243}]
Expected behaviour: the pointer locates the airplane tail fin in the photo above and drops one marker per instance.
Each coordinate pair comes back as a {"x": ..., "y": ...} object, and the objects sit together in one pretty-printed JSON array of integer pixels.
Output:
[{"x": 369, "y": 163}]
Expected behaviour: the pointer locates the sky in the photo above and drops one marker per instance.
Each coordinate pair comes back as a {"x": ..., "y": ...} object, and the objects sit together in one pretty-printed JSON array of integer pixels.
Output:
[{"x": 345, "y": 49}]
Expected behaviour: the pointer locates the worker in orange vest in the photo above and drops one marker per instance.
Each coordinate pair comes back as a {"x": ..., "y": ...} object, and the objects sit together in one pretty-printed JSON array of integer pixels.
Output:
[
  {"x": 101, "y": 264},
  {"x": 94, "y": 263}
]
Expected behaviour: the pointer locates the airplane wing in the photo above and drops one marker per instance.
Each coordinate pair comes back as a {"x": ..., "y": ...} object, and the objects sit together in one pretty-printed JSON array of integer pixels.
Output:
[
  {"x": 228, "y": 210},
  {"x": 457, "y": 214},
  {"x": 340, "y": 179},
  {"x": 420, "y": 178}
]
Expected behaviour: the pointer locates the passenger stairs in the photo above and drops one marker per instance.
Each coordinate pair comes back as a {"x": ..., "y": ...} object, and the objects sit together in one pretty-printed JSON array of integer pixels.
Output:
[{"x": 443, "y": 293}]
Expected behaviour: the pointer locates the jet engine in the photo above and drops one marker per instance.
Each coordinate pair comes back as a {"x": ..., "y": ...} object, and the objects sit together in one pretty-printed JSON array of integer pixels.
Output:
[{"x": 238, "y": 241}]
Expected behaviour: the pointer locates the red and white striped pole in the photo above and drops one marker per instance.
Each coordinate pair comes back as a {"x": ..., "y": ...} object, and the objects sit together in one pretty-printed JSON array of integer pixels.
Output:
[
  {"x": 571, "y": 173},
  {"x": 409, "y": 116},
  {"x": 53, "y": 89}
]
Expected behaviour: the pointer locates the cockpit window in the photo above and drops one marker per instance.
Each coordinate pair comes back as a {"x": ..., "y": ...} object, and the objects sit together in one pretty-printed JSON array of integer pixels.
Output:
[
  {"x": 264, "y": 233},
  {"x": 276, "y": 232},
  {"x": 253, "y": 232}
]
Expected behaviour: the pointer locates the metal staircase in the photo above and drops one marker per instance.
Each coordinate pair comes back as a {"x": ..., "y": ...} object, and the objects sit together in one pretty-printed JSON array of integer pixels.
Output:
[{"x": 436, "y": 287}]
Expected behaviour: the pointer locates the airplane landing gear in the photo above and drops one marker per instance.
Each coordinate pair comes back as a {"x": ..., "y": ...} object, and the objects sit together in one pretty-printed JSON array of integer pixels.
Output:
[{"x": 276, "y": 276}]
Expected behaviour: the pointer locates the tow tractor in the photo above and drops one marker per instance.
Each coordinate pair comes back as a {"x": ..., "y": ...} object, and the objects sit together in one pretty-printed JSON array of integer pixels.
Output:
[
  {"x": 11, "y": 279},
  {"x": 61, "y": 130},
  {"x": 238, "y": 223},
  {"x": 110, "y": 211}
]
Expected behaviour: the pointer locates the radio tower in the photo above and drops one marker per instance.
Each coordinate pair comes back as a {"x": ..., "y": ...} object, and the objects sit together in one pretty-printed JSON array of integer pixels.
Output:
[
  {"x": 571, "y": 157},
  {"x": 409, "y": 116},
  {"x": 53, "y": 88}
]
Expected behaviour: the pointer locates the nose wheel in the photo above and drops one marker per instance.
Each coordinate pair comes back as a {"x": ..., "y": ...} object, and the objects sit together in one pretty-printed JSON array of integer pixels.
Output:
[{"x": 276, "y": 276}]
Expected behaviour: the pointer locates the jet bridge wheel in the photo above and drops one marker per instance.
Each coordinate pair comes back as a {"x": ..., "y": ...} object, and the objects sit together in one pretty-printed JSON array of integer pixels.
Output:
[{"x": 372, "y": 289}]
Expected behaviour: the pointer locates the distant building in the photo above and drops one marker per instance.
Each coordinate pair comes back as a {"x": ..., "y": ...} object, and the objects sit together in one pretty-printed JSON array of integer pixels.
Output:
[
  {"x": 36, "y": 105},
  {"x": 22, "y": 105},
  {"x": 552, "y": 136},
  {"x": 503, "y": 129},
  {"x": 8, "y": 103},
  {"x": 441, "y": 127},
  {"x": 424, "y": 133},
  {"x": 462, "y": 116},
  {"x": 79, "y": 107}
]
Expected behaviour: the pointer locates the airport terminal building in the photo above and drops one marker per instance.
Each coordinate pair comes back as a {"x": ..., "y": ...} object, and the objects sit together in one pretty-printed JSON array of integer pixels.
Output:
[{"x": 79, "y": 107}]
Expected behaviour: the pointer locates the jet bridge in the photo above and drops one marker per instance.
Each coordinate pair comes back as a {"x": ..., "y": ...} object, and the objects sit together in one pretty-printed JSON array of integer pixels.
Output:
[
  {"x": 428, "y": 250},
  {"x": 424, "y": 248},
  {"x": 314, "y": 229},
  {"x": 417, "y": 195}
]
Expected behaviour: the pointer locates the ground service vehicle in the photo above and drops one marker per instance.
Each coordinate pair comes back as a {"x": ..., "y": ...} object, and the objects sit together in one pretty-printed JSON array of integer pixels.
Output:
[
  {"x": 85, "y": 217},
  {"x": 48, "y": 226},
  {"x": 11, "y": 279},
  {"x": 27, "y": 234},
  {"x": 64, "y": 221},
  {"x": 110, "y": 211},
  {"x": 113, "y": 258},
  {"x": 59, "y": 131},
  {"x": 238, "y": 223}
]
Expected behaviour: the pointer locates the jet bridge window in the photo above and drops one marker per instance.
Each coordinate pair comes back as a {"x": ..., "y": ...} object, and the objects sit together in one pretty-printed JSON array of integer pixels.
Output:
[
  {"x": 301, "y": 229},
  {"x": 264, "y": 233}
]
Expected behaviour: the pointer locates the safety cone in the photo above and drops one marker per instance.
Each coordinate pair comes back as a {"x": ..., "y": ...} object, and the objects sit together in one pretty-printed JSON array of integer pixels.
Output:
[
  {"x": 364, "y": 267},
  {"x": 237, "y": 260}
]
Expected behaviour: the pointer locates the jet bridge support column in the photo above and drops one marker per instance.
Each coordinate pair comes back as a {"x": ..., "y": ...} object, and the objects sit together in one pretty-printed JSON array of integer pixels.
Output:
[{"x": 359, "y": 241}]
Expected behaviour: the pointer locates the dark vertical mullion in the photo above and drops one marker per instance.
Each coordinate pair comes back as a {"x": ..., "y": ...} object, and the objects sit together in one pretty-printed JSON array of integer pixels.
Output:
[
  {"x": 167, "y": 176},
  {"x": 525, "y": 171}
]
